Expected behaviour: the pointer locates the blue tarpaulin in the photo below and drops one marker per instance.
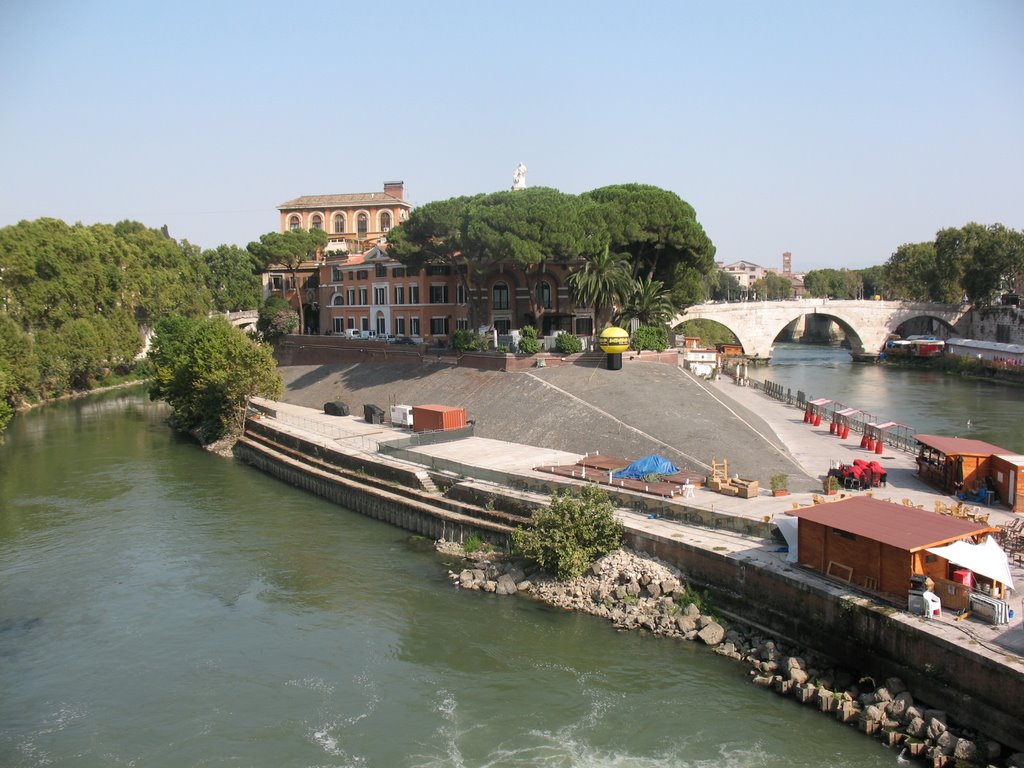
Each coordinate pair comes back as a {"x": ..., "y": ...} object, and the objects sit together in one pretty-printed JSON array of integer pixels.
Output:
[{"x": 648, "y": 465}]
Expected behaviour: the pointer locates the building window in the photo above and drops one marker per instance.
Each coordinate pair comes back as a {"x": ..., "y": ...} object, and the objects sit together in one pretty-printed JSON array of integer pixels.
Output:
[
  {"x": 352, "y": 323},
  {"x": 337, "y": 325},
  {"x": 584, "y": 326},
  {"x": 316, "y": 222},
  {"x": 380, "y": 295},
  {"x": 293, "y": 222},
  {"x": 382, "y": 326},
  {"x": 462, "y": 324},
  {"x": 362, "y": 221},
  {"x": 339, "y": 224},
  {"x": 398, "y": 272},
  {"x": 337, "y": 274},
  {"x": 381, "y": 271},
  {"x": 399, "y": 294},
  {"x": 364, "y": 323},
  {"x": 439, "y": 326},
  {"x": 337, "y": 300},
  {"x": 363, "y": 274},
  {"x": 435, "y": 270},
  {"x": 499, "y": 296},
  {"x": 502, "y": 325},
  {"x": 399, "y": 326},
  {"x": 439, "y": 294},
  {"x": 363, "y": 293},
  {"x": 277, "y": 282},
  {"x": 414, "y": 294},
  {"x": 351, "y": 296},
  {"x": 414, "y": 326},
  {"x": 385, "y": 221},
  {"x": 460, "y": 294},
  {"x": 544, "y": 294}
]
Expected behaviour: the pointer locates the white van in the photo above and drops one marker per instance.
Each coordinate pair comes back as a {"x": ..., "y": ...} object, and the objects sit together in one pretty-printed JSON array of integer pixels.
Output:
[{"x": 352, "y": 333}]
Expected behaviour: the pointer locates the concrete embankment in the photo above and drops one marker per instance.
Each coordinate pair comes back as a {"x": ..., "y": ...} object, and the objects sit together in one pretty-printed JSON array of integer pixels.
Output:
[{"x": 642, "y": 409}]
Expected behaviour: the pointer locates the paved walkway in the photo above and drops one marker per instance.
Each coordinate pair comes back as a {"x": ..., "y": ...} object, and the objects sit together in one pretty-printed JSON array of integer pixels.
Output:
[{"x": 810, "y": 448}]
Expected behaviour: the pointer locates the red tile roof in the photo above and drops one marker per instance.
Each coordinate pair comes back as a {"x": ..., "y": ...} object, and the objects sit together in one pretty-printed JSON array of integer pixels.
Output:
[
  {"x": 906, "y": 528},
  {"x": 959, "y": 446}
]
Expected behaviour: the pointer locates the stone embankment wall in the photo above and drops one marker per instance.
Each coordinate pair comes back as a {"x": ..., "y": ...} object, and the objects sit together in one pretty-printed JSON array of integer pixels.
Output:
[
  {"x": 976, "y": 690},
  {"x": 637, "y": 592},
  {"x": 1004, "y": 324}
]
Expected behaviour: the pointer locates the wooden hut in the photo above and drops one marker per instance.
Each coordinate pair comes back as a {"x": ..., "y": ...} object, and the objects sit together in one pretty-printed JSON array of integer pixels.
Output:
[
  {"x": 958, "y": 465},
  {"x": 878, "y": 545}
]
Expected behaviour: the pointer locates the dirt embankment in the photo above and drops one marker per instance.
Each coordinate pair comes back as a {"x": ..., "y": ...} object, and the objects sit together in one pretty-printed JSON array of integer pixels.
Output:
[{"x": 643, "y": 408}]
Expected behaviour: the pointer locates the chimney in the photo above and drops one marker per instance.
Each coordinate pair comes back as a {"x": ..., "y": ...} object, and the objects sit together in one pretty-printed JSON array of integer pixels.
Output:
[{"x": 395, "y": 189}]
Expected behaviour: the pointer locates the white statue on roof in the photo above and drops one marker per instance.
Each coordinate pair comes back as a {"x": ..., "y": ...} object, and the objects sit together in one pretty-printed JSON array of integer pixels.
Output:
[{"x": 519, "y": 177}]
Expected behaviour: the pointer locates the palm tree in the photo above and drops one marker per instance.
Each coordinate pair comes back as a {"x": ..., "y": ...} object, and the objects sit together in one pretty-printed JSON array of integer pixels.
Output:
[
  {"x": 601, "y": 282},
  {"x": 647, "y": 302}
]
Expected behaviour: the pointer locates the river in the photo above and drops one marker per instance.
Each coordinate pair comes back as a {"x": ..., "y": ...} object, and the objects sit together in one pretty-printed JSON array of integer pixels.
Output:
[
  {"x": 160, "y": 606},
  {"x": 931, "y": 402}
]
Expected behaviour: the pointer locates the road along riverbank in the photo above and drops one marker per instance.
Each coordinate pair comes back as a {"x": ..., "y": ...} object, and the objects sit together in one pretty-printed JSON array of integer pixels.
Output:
[{"x": 980, "y": 679}]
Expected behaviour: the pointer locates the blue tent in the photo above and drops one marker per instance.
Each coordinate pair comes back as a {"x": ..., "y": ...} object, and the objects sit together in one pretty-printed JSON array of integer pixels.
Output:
[{"x": 648, "y": 465}]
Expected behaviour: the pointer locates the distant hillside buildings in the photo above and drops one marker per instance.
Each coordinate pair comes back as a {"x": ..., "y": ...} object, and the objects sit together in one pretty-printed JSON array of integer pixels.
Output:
[{"x": 747, "y": 273}]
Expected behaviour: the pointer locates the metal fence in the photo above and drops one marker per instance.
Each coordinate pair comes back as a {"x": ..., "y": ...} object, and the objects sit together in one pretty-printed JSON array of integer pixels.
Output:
[{"x": 898, "y": 436}]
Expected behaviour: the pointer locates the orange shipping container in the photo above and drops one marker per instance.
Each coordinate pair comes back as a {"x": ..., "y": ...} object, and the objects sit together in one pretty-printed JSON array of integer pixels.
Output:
[{"x": 430, "y": 418}]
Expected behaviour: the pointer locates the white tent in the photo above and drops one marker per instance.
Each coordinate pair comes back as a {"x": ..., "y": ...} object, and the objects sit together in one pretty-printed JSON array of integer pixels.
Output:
[
  {"x": 788, "y": 526},
  {"x": 986, "y": 559}
]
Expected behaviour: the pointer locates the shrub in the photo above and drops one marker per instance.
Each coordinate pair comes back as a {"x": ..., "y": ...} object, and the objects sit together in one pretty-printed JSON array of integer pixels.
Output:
[
  {"x": 570, "y": 534},
  {"x": 568, "y": 344},
  {"x": 528, "y": 343},
  {"x": 276, "y": 318},
  {"x": 465, "y": 340},
  {"x": 779, "y": 482},
  {"x": 651, "y": 337}
]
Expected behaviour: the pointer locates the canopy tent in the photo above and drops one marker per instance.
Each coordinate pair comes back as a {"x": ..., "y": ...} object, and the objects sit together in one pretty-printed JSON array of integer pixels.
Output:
[
  {"x": 648, "y": 465},
  {"x": 986, "y": 559},
  {"x": 788, "y": 526}
]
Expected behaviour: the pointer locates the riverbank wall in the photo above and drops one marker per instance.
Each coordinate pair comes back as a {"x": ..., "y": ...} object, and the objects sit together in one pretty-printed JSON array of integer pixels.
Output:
[{"x": 975, "y": 690}]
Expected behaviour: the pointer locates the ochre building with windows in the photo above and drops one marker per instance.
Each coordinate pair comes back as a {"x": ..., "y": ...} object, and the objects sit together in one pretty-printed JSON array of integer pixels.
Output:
[{"x": 354, "y": 285}]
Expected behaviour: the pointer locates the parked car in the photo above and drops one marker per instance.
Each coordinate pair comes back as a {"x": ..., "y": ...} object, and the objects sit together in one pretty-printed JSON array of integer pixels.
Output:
[{"x": 403, "y": 340}]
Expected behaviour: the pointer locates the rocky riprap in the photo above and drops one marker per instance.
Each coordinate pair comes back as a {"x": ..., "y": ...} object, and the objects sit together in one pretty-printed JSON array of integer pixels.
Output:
[{"x": 635, "y": 591}]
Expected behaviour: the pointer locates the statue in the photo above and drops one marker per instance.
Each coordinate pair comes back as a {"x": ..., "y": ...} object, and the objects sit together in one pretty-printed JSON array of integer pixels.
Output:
[{"x": 519, "y": 177}]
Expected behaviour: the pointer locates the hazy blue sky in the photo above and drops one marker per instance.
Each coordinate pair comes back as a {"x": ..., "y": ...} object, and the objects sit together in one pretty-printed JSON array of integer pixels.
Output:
[{"x": 834, "y": 130}]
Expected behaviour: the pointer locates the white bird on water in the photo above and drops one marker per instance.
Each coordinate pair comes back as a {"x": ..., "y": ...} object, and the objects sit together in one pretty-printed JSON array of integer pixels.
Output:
[
  {"x": 902, "y": 758},
  {"x": 968, "y": 423}
]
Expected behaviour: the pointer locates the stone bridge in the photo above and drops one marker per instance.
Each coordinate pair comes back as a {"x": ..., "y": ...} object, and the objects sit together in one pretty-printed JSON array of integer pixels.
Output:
[
  {"x": 867, "y": 323},
  {"x": 244, "y": 319}
]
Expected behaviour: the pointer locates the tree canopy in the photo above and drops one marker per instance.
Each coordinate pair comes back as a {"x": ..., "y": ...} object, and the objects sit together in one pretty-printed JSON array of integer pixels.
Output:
[
  {"x": 657, "y": 228},
  {"x": 290, "y": 250},
  {"x": 207, "y": 370}
]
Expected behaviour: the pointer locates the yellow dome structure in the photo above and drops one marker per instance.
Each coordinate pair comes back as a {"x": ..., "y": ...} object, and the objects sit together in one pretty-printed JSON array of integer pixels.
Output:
[{"x": 613, "y": 341}]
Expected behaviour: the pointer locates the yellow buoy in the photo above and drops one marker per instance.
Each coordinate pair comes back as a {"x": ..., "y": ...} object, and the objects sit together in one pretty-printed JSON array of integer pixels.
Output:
[{"x": 613, "y": 341}]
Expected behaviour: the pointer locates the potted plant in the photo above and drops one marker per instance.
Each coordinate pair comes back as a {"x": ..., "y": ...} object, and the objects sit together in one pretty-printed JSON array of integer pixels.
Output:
[
  {"x": 830, "y": 484},
  {"x": 779, "y": 484}
]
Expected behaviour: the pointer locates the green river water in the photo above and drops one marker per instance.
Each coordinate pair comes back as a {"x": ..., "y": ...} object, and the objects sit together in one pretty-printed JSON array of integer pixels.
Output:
[{"x": 160, "y": 606}]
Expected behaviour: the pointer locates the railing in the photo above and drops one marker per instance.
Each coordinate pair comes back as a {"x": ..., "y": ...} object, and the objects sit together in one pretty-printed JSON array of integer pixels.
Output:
[{"x": 898, "y": 436}]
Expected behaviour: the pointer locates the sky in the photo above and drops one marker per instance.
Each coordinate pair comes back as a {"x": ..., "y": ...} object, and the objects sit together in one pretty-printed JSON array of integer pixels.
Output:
[{"x": 834, "y": 130}]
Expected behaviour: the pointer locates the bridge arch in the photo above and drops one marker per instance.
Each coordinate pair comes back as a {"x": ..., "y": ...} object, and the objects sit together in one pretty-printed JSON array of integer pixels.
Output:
[{"x": 866, "y": 323}]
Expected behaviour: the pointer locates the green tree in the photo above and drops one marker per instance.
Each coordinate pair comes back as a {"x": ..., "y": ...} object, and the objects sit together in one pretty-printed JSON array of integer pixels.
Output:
[
  {"x": 527, "y": 228},
  {"x": 873, "y": 280},
  {"x": 433, "y": 234},
  {"x": 276, "y": 318},
  {"x": 647, "y": 302},
  {"x": 953, "y": 249},
  {"x": 600, "y": 282},
  {"x": 726, "y": 287},
  {"x": 657, "y": 228},
  {"x": 569, "y": 535},
  {"x": 993, "y": 260},
  {"x": 234, "y": 278},
  {"x": 908, "y": 272},
  {"x": 207, "y": 370},
  {"x": 773, "y": 287},
  {"x": 290, "y": 250}
]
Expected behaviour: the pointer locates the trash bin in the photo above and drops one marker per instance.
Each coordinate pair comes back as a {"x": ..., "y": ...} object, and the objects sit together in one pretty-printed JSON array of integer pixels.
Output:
[
  {"x": 373, "y": 414},
  {"x": 336, "y": 408}
]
